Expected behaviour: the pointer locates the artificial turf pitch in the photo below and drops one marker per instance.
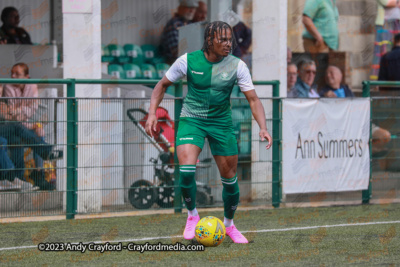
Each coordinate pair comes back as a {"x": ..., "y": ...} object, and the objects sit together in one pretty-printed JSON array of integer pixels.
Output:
[{"x": 278, "y": 237}]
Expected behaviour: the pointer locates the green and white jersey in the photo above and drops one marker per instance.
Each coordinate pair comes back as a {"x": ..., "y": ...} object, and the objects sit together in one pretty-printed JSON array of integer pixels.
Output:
[{"x": 209, "y": 84}]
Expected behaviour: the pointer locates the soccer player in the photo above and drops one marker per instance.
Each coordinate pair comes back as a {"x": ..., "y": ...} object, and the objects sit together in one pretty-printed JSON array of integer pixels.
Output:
[{"x": 211, "y": 74}]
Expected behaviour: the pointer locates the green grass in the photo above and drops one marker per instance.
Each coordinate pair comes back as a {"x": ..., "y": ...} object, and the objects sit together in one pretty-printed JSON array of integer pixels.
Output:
[{"x": 332, "y": 246}]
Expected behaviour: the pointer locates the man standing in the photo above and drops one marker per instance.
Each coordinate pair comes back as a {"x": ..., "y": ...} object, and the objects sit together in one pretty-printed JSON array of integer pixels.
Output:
[
  {"x": 390, "y": 67},
  {"x": 321, "y": 33},
  {"x": 170, "y": 34},
  {"x": 211, "y": 74}
]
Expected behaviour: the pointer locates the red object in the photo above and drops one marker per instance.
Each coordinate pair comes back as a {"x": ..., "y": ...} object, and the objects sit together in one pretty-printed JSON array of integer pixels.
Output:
[{"x": 165, "y": 129}]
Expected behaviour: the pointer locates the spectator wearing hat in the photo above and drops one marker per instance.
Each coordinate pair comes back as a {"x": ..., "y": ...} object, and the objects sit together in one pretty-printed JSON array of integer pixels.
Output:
[
  {"x": 201, "y": 12},
  {"x": 170, "y": 34}
]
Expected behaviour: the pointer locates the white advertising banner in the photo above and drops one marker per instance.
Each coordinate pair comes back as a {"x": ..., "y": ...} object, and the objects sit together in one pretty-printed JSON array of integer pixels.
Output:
[{"x": 325, "y": 145}]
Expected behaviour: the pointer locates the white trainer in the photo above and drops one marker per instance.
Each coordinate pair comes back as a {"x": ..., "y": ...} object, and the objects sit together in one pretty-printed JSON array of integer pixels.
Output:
[
  {"x": 8, "y": 186},
  {"x": 25, "y": 186}
]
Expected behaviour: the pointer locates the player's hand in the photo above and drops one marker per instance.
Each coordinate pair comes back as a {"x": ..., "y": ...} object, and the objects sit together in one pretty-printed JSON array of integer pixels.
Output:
[
  {"x": 265, "y": 136},
  {"x": 330, "y": 93},
  {"x": 151, "y": 124}
]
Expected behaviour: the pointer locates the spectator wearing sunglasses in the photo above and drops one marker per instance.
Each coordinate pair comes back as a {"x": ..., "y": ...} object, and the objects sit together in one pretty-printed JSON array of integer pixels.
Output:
[{"x": 305, "y": 86}]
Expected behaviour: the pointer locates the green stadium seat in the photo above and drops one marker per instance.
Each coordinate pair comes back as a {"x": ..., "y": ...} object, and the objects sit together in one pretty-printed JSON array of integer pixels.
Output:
[
  {"x": 132, "y": 71},
  {"x": 104, "y": 50},
  {"x": 149, "y": 72},
  {"x": 135, "y": 53},
  {"x": 116, "y": 71},
  {"x": 161, "y": 68},
  {"x": 105, "y": 54},
  {"x": 149, "y": 53},
  {"x": 116, "y": 50}
]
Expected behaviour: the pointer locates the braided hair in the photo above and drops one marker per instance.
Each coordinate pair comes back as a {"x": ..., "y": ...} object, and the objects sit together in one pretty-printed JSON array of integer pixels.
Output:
[{"x": 213, "y": 29}]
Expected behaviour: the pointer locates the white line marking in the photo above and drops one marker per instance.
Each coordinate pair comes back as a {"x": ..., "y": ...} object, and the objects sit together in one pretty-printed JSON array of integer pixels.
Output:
[
  {"x": 250, "y": 231},
  {"x": 320, "y": 226}
]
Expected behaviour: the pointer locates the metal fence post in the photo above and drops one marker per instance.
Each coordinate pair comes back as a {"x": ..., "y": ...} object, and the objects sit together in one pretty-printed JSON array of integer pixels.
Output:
[
  {"x": 72, "y": 150},
  {"x": 276, "y": 147},
  {"x": 177, "y": 189},
  {"x": 366, "y": 194}
]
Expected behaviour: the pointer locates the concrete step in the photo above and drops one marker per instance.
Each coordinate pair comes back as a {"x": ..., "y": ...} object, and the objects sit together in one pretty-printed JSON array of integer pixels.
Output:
[{"x": 14, "y": 204}]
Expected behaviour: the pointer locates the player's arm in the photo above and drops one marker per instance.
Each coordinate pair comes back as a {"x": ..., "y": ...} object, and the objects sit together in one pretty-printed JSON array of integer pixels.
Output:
[
  {"x": 175, "y": 73},
  {"x": 259, "y": 115},
  {"x": 246, "y": 86},
  {"x": 156, "y": 98}
]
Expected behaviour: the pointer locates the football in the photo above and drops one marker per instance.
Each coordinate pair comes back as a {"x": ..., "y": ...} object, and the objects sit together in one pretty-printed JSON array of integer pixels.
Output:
[{"x": 210, "y": 231}]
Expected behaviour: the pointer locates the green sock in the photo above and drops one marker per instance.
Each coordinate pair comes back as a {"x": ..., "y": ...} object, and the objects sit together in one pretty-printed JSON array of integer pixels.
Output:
[
  {"x": 230, "y": 195},
  {"x": 188, "y": 185}
]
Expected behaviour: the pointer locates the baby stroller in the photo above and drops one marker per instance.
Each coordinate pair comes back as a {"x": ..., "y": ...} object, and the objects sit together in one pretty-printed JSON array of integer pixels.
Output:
[{"x": 143, "y": 193}]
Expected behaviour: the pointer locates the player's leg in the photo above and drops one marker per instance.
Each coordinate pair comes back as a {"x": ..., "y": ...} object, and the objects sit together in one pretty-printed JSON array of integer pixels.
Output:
[
  {"x": 223, "y": 146},
  {"x": 187, "y": 156},
  {"x": 190, "y": 141},
  {"x": 227, "y": 166}
]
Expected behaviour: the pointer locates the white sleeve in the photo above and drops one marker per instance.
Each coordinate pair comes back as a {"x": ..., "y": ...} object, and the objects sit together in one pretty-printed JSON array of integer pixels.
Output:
[
  {"x": 243, "y": 77},
  {"x": 178, "y": 70}
]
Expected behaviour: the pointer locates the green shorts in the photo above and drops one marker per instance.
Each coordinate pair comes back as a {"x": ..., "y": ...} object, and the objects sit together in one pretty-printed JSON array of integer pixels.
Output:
[{"x": 221, "y": 137}]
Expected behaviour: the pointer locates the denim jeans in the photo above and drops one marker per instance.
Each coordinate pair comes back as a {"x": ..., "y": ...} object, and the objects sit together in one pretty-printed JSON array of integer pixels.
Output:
[
  {"x": 5, "y": 161},
  {"x": 18, "y": 137}
]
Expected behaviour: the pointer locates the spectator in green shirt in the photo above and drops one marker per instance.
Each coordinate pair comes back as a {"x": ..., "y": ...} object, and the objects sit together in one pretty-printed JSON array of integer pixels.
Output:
[{"x": 320, "y": 19}]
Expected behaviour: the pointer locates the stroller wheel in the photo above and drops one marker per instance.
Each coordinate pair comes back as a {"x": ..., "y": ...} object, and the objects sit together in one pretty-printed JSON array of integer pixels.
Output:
[
  {"x": 141, "y": 194},
  {"x": 166, "y": 195}
]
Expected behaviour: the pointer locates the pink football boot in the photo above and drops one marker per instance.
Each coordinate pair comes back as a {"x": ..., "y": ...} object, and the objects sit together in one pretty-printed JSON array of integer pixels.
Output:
[
  {"x": 190, "y": 227},
  {"x": 235, "y": 235}
]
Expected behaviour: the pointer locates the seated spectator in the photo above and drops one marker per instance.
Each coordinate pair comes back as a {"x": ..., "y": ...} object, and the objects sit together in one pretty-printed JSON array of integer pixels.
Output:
[
  {"x": 201, "y": 12},
  {"x": 390, "y": 67},
  {"x": 10, "y": 33},
  {"x": 22, "y": 110},
  {"x": 334, "y": 86},
  {"x": 170, "y": 35},
  {"x": 304, "y": 86},
  {"x": 291, "y": 79}
]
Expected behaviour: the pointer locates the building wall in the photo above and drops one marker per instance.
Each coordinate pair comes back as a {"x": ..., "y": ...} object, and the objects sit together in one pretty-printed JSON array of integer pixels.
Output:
[
  {"x": 135, "y": 21},
  {"x": 356, "y": 28}
]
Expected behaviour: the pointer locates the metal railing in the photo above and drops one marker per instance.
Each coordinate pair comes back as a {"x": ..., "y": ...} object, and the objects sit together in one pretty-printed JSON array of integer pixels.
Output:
[
  {"x": 72, "y": 137},
  {"x": 366, "y": 92},
  {"x": 72, "y": 145}
]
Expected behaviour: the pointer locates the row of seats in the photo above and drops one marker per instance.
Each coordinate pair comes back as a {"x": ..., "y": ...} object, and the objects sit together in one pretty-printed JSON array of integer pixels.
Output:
[
  {"x": 134, "y": 71},
  {"x": 131, "y": 53}
]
